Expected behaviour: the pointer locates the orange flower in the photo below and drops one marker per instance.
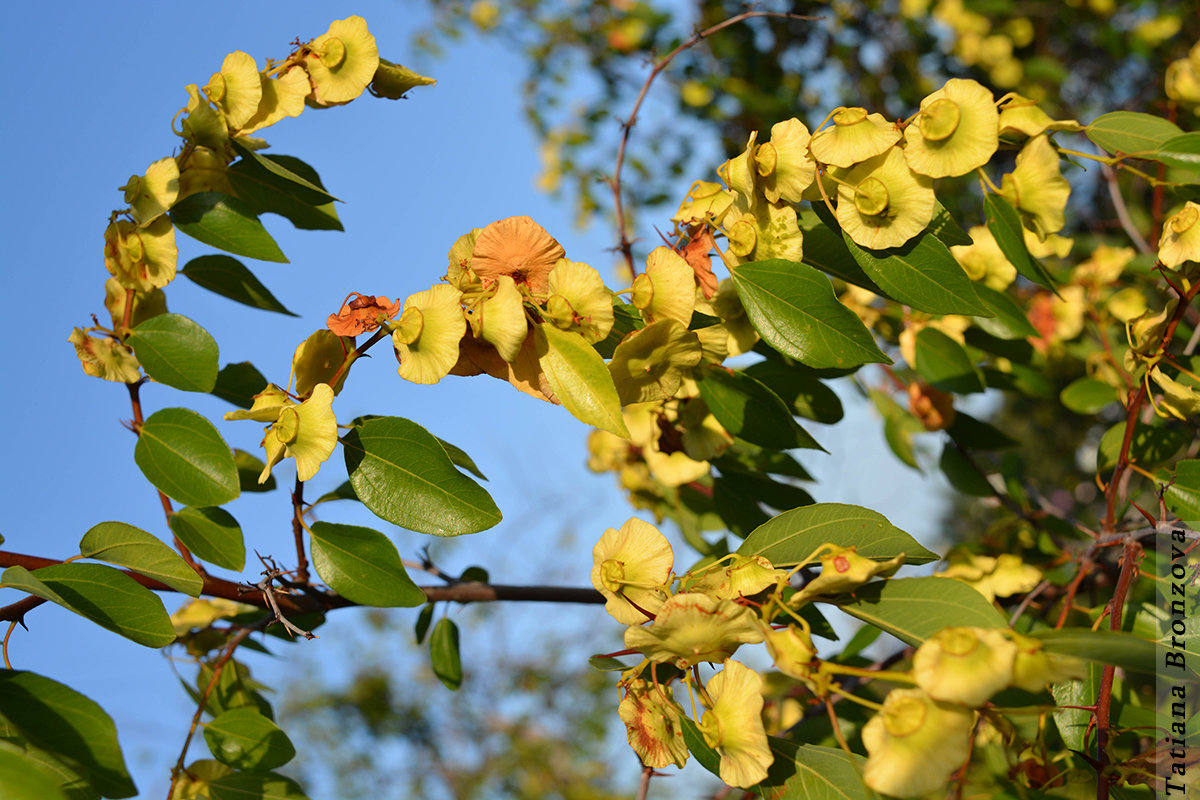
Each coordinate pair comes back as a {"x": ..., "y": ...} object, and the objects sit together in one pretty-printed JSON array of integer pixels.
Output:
[
  {"x": 361, "y": 313},
  {"x": 517, "y": 247}
]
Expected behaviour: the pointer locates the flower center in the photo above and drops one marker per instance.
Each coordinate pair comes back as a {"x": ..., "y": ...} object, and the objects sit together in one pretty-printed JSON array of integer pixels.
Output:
[
  {"x": 1185, "y": 219},
  {"x": 643, "y": 291},
  {"x": 939, "y": 120},
  {"x": 742, "y": 238},
  {"x": 904, "y": 716},
  {"x": 871, "y": 197},
  {"x": 333, "y": 53},
  {"x": 412, "y": 322},
  {"x": 287, "y": 427},
  {"x": 765, "y": 159},
  {"x": 849, "y": 116},
  {"x": 959, "y": 642},
  {"x": 612, "y": 575}
]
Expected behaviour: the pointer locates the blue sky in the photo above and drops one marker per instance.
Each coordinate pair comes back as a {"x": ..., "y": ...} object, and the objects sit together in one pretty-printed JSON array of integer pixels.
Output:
[{"x": 89, "y": 101}]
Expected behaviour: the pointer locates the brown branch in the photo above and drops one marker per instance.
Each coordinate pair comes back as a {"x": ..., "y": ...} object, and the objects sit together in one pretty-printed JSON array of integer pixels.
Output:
[
  {"x": 626, "y": 245},
  {"x": 298, "y": 530}
]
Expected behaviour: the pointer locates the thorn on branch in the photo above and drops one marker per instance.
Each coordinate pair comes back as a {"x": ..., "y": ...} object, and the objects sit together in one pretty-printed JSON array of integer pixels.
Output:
[{"x": 266, "y": 586}]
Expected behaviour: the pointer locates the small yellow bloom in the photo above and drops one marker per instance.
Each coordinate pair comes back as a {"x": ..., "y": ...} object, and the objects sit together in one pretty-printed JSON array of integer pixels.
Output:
[
  {"x": 427, "y": 335},
  {"x": 236, "y": 90},
  {"x": 733, "y": 726},
  {"x": 991, "y": 577},
  {"x": 1034, "y": 667},
  {"x": 955, "y": 131},
  {"x": 854, "y": 137},
  {"x": 691, "y": 627},
  {"x": 667, "y": 289},
  {"x": 914, "y": 743},
  {"x": 843, "y": 570},
  {"x": 631, "y": 568},
  {"x": 281, "y": 97},
  {"x": 266, "y": 407},
  {"x": 141, "y": 258},
  {"x": 145, "y": 304},
  {"x": 983, "y": 260},
  {"x": 764, "y": 231},
  {"x": 1037, "y": 188},
  {"x": 341, "y": 62},
  {"x": 318, "y": 358},
  {"x": 579, "y": 301},
  {"x": 150, "y": 195},
  {"x": 964, "y": 665},
  {"x": 705, "y": 202},
  {"x": 783, "y": 164},
  {"x": 793, "y": 653},
  {"x": 649, "y": 364},
  {"x": 883, "y": 203},
  {"x": 742, "y": 576},
  {"x": 202, "y": 125},
  {"x": 500, "y": 319},
  {"x": 306, "y": 432},
  {"x": 1180, "y": 239},
  {"x": 739, "y": 173},
  {"x": 1020, "y": 118},
  {"x": 653, "y": 724},
  {"x": 105, "y": 357}
]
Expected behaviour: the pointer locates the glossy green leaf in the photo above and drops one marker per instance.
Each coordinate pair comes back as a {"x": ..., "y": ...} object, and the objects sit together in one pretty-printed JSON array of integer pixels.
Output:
[
  {"x": 226, "y": 223},
  {"x": 777, "y": 495},
  {"x": 812, "y": 772},
  {"x": 238, "y": 383},
  {"x": 947, "y": 229},
  {"x": 176, "y": 352},
  {"x": 461, "y": 459},
  {"x": 792, "y": 536},
  {"x": 943, "y": 363},
  {"x": 705, "y": 756},
  {"x": 580, "y": 379},
  {"x": 402, "y": 473},
  {"x": 102, "y": 594},
  {"x": 142, "y": 552},
  {"x": 1005, "y": 225},
  {"x": 286, "y": 186},
  {"x": 424, "y": 618},
  {"x": 362, "y": 565},
  {"x": 1131, "y": 132},
  {"x": 255, "y": 786},
  {"x": 344, "y": 491},
  {"x": 807, "y": 394},
  {"x": 443, "y": 649},
  {"x": 913, "y": 609},
  {"x": 212, "y": 534},
  {"x": 245, "y": 739},
  {"x": 1074, "y": 723},
  {"x": 249, "y": 467},
  {"x": 1182, "y": 494},
  {"x": 1103, "y": 647},
  {"x": 978, "y": 435},
  {"x": 961, "y": 474},
  {"x": 607, "y": 664},
  {"x": 749, "y": 410},
  {"x": 923, "y": 274},
  {"x": 71, "y": 778},
  {"x": 1180, "y": 151},
  {"x": 183, "y": 456},
  {"x": 825, "y": 250},
  {"x": 228, "y": 277},
  {"x": 1151, "y": 445},
  {"x": 23, "y": 779},
  {"x": 794, "y": 309},
  {"x": 64, "y": 722},
  {"x": 1087, "y": 395},
  {"x": 1009, "y": 321}
]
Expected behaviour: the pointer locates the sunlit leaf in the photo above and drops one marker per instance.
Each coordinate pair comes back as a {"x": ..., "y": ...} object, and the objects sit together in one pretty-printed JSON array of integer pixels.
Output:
[
  {"x": 362, "y": 565},
  {"x": 142, "y": 552},
  {"x": 177, "y": 352}
]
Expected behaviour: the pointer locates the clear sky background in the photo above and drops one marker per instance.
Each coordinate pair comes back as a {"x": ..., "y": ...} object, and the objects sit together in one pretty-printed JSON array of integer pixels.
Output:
[{"x": 88, "y": 101}]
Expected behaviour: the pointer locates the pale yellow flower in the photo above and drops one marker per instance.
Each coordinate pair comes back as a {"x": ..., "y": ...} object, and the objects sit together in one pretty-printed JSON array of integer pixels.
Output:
[
  {"x": 691, "y": 627},
  {"x": 854, "y": 137},
  {"x": 1037, "y": 188},
  {"x": 631, "y": 568},
  {"x": 427, "y": 335},
  {"x": 914, "y": 744},
  {"x": 1180, "y": 239},
  {"x": 882, "y": 203},
  {"x": 653, "y": 724},
  {"x": 733, "y": 726},
  {"x": 955, "y": 131},
  {"x": 964, "y": 665}
]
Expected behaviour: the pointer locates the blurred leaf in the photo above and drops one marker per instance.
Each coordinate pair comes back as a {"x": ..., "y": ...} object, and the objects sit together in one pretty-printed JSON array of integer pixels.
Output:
[
  {"x": 228, "y": 277},
  {"x": 580, "y": 379},
  {"x": 1074, "y": 723},
  {"x": 423, "y": 619},
  {"x": 1010, "y": 321},
  {"x": 1117, "y": 648},
  {"x": 1131, "y": 132},
  {"x": 249, "y": 467},
  {"x": 176, "y": 352},
  {"x": 142, "y": 552},
  {"x": 1152, "y": 444},
  {"x": 182, "y": 455},
  {"x": 23, "y": 779},
  {"x": 238, "y": 383},
  {"x": 1182, "y": 494},
  {"x": 812, "y": 772},
  {"x": 362, "y": 565},
  {"x": 1181, "y": 151},
  {"x": 943, "y": 363},
  {"x": 807, "y": 394},
  {"x": 793, "y": 535},
  {"x": 255, "y": 786},
  {"x": 962, "y": 476},
  {"x": 225, "y": 223},
  {"x": 1087, "y": 395},
  {"x": 923, "y": 274},
  {"x": 245, "y": 739},
  {"x": 443, "y": 649},
  {"x": 749, "y": 410},
  {"x": 212, "y": 534},
  {"x": 977, "y": 435},
  {"x": 913, "y": 609}
]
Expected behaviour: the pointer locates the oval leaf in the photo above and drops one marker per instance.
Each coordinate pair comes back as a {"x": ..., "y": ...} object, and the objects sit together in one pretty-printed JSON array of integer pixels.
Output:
[
  {"x": 181, "y": 453},
  {"x": 238, "y": 383},
  {"x": 249, "y": 467},
  {"x": 22, "y": 779},
  {"x": 362, "y": 565},
  {"x": 1010, "y": 321},
  {"x": 225, "y": 223},
  {"x": 1005, "y": 225},
  {"x": 1103, "y": 647},
  {"x": 286, "y": 186},
  {"x": 1182, "y": 494},
  {"x": 1181, "y": 151},
  {"x": 1151, "y": 445},
  {"x": 443, "y": 650},
  {"x": 579, "y": 378},
  {"x": 962, "y": 475},
  {"x": 1131, "y": 132},
  {"x": 230, "y": 278},
  {"x": 793, "y": 535},
  {"x": 142, "y": 552},
  {"x": 923, "y": 274},
  {"x": 62, "y": 721},
  {"x": 807, "y": 395},
  {"x": 812, "y": 772},
  {"x": 944, "y": 363},
  {"x": 792, "y": 306},
  {"x": 212, "y": 534},
  {"x": 401, "y": 472},
  {"x": 245, "y": 739},
  {"x": 255, "y": 786},
  {"x": 177, "y": 352},
  {"x": 749, "y": 410},
  {"x": 913, "y": 609},
  {"x": 1087, "y": 395},
  {"x": 102, "y": 594}
]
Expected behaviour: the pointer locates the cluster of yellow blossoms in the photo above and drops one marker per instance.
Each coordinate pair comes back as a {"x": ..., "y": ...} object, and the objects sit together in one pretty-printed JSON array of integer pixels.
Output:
[{"x": 918, "y": 738}]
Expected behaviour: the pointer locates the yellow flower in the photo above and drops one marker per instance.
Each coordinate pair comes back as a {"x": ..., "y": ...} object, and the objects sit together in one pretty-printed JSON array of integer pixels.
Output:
[
  {"x": 883, "y": 203},
  {"x": 150, "y": 195},
  {"x": 500, "y": 319},
  {"x": 203, "y": 170},
  {"x": 1183, "y": 78},
  {"x": 306, "y": 432},
  {"x": 1034, "y": 667},
  {"x": 733, "y": 726},
  {"x": 793, "y": 653},
  {"x": 783, "y": 164},
  {"x": 766, "y": 231},
  {"x": 141, "y": 258},
  {"x": 854, "y": 137},
  {"x": 582, "y": 303},
  {"x": 236, "y": 90},
  {"x": 145, "y": 304},
  {"x": 1179, "y": 400},
  {"x": 739, "y": 172},
  {"x": 653, "y": 724},
  {"x": 427, "y": 335},
  {"x": 1037, "y": 188},
  {"x": 202, "y": 125},
  {"x": 281, "y": 97},
  {"x": 705, "y": 202},
  {"x": 1020, "y": 118},
  {"x": 266, "y": 407},
  {"x": 691, "y": 627},
  {"x": 649, "y": 364},
  {"x": 1180, "y": 239},
  {"x": 341, "y": 62},
  {"x": 318, "y": 359},
  {"x": 631, "y": 568},
  {"x": 843, "y": 570},
  {"x": 742, "y": 576},
  {"x": 914, "y": 743},
  {"x": 983, "y": 260},
  {"x": 105, "y": 357},
  {"x": 991, "y": 577},
  {"x": 955, "y": 131},
  {"x": 667, "y": 289},
  {"x": 964, "y": 665}
]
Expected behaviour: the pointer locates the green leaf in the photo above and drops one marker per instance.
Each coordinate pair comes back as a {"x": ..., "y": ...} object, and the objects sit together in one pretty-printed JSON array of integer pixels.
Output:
[
  {"x": 923, "y": 274},
  {"x": 607, "y": 664},
  {"x": 946, "y": 228},
  {"x": 284, "y": 185},
  {"x": 1151, "y": 445},
  {"x": 183, "y": 456},
  {"x": 962, "y": 476},
  {"x": 1103, "y": 647},
  {"x": 1005, "y": 225},
  {"x": 1131, "y": 132},
  {"x": 461, "y": 459},
  {"x": 975, "y": 434},
  {"x": 825, "y": 250},
  {"x": 1183, "y": 493},
  {"x": 249, "y": 467},
  {"x": 255, "y": 786},
  {"x": 362, "y": 565},
  {"x": 421, "y": 627},
  {"x": 1074, "y": 723},
  {"x": 1010, "y": 321},
  {"x": 705, "y": 756},
  {"x": 739, "y": 511},
  {"x": 443, "y": 649},
  {"x": 71, "y": 778},
  {"x": 238, "y": 383},
  {"x": 794, "y": 309},
  {"x": 781, "y": 496},
  {"x": 177, "y": 352},
  {"x": 944, "y": 363},
  {"x": 913, "y": 609},
  {"x": 811, "y": 772},
  {"x": 1181, "y": 151},
  {"x": 749, "y": 410},
  {"x": 64, "y": 722},
  {"x": 245, "y": 739},
  {"x": 142, "y": 552},
  {"x": 1087, "y": 395},
  {"x": 344, "y": 491},
  {"x": 580, "y": 379},
  {"x": 228, "y": 277},
  {"x": 23, "y": 779},
  {"x": 226, "y": 223},
  {"x": 807, "y": 394},
  {"x": 792, "y": 536},
  {"x": 102, "y": 594},
  {"x": 402, "y": 473},
  {"x": 212, "y": 534}
]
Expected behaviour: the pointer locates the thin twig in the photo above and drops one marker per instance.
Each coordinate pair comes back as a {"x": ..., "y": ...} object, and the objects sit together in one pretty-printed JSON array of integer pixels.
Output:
[
  {"x": 644, "y": 787},
  {"x": 298, "y": 530},
  {"x": 1114, "y": 192}
]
